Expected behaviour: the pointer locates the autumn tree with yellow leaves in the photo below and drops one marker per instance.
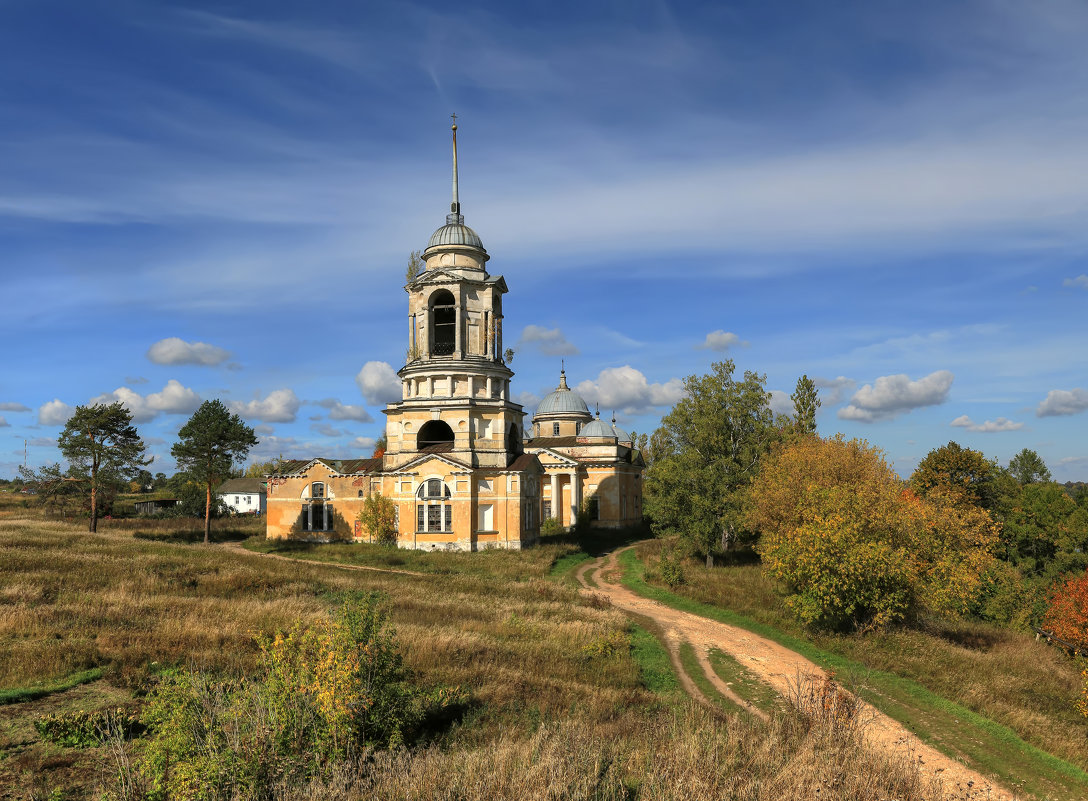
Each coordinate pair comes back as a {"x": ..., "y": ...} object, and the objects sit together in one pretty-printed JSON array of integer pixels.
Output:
[{"x": 856, "y": 548}]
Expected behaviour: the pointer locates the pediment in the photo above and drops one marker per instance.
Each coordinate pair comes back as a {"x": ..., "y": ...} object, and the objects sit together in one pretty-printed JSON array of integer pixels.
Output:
[
  {"x": 440, "y": 461},
  {"x": 547, "y": 456}
]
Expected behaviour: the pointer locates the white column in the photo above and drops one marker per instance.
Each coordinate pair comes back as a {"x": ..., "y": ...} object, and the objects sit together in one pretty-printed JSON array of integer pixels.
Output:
[
  {"x": 574, "y": 500},
  {"x": 471, "y": 385},
  {"x": 450, "y": 379},
  {"x": 557, "y": 499},
  {"x": 489, "y": 386},
  {"x": 430, "y": 386},
  {"x": 457, "y": 333}
]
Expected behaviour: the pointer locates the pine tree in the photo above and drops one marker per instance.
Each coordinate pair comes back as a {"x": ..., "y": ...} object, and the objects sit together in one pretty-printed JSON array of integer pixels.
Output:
[
  {"x": 207, "y": 447},
  {"x": 103, "y": 449}
]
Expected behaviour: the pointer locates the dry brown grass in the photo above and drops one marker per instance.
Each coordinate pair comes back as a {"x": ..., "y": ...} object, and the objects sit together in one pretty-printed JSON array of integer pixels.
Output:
[
  {"x": 554, "y": 716},
  {"x": 671, "y": 755}
]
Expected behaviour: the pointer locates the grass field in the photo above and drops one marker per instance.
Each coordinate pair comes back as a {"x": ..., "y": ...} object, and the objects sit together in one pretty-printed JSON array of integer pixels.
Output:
[{"x": 568, "y": 699}]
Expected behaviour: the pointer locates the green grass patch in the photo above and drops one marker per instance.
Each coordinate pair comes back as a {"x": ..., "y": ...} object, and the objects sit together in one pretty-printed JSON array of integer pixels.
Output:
[
  {"x": 655, "y": 667},
  {"x": 20, "y": 695},
  {"x": 690, "y": 662},
  {"x": 564, "y": 566},
  {"x": 987, "y": 746},
  {"x": 743, "y": 682}
]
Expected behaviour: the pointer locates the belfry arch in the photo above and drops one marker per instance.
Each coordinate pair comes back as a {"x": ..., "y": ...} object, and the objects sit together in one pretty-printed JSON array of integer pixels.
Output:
[
  {"x": 434, "y": 432},
  {"x": 443, "y": 317}
]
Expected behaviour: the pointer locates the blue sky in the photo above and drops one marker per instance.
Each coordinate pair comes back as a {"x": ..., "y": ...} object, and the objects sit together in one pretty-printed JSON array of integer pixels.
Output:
[{"x": 203, "y": 200}]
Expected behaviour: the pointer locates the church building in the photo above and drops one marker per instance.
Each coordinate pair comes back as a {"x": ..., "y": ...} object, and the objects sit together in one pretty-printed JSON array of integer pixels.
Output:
[{"x": 459, "y": 466}]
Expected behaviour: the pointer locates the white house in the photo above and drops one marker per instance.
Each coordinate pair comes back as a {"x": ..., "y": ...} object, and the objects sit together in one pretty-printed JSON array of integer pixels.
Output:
[{"x": 243, "y": 495}]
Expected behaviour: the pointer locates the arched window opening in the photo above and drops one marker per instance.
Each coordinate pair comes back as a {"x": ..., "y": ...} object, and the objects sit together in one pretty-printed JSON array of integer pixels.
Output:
[
  {"x": 435, "y": 434},
  {"x": 443, "y": 323},
  {"x": 434, "y": 512},
  {"x": 317, "y": 513},
  {"x": 513, "y": 441}
]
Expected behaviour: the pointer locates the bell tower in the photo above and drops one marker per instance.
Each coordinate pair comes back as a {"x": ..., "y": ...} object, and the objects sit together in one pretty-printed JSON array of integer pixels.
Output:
[{"x": 455, "y": 385}]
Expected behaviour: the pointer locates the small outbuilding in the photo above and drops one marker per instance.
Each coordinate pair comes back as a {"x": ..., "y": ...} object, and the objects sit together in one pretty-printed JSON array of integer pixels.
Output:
[
  {"x": 153, "y": 507},
  {"x": 244, "y": 495}
]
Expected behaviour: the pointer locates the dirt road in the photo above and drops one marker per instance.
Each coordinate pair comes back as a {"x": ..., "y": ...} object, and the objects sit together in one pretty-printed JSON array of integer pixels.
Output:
[{"x": 778, "y": 667}]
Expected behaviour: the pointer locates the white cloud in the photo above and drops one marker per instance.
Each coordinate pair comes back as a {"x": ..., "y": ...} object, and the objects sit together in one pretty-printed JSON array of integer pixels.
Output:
[
  {"x": 989, "y": 427},
  {"x": 1063, "y": 401},
  {"x": 838, "y": 388},
  {"x": 264, "y": 429},
  {"x": 626, "y": 389},
  {"x": 173, "y": 399},
  {"x": 42, "y": 442},
  {"x": 326, "y": 430},
  {"x": 529, "y": 400},
  {"x": 892, "y": 395},
  {"x": 781, "y": 403},
  {"x": 54, "y": 413},
  {"x": 341, "y": 411},
  {"x": 551, "y": 341},
  {"x": 135, "y": 380},
  {"x": 366, "y": 443},
  {"x": 280, "y": 406},
  {"x": 1081, "y": 282},
  {"x": 174, "y": 350},
  {"x": 379, "y": 383},
  {"x": 4, "y": 423},
  {"x": 721, "y": 341},
  {"x": 13, "y": 407}
]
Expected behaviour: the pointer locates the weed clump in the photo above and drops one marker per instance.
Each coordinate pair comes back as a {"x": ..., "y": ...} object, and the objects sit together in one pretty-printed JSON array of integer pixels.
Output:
[{"x": 321, "y": 694}]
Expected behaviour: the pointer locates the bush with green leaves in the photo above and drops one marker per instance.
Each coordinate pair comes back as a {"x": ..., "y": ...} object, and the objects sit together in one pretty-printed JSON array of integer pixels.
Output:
[
  {"x": 81, "y": 728},
  {"x": 323, "y": 693}
]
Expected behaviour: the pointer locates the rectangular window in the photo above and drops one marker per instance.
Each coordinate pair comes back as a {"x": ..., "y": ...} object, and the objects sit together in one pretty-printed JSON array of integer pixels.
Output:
[
  {"x": 547, "y": 510},
  {"x": 235, "y": 500},
  {"x": 487, "y": 521},
  {"x": 419, "y": 518},
  {"x": 555, "y": 429},
  {"x": 434, "y": 517},
  {"x": 449, "y": 518}
]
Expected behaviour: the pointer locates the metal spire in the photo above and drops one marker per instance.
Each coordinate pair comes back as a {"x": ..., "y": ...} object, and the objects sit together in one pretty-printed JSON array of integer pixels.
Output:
[
  {"x": 455, "y": 217},
  {"x": 563, "y": 375}
]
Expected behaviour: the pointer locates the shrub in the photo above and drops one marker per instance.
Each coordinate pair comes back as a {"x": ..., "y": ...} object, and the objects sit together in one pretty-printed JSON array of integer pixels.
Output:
[
  {"x": 853, "y": 547},
  {"x": 1067, "y": 613},
  {"x": 672, "y": 569},
  {"x": 81, "y": 728},
  {"x": 321, "y": 694},
  {"x": 378, "y": 516},
  {"x": 552, "y": 526}
]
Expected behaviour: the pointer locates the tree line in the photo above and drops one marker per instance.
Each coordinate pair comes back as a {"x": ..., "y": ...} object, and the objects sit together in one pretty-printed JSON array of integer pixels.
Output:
[
  {"x": 105, "y": 455},
  {"x": 852, "y": 544}
]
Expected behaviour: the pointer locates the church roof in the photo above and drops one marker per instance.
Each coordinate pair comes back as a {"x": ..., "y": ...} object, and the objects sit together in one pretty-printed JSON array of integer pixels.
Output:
[
  {"x": 345, "y": 467},
  {"x": 456, "y": 233},
  {"x": 596, "y": 428},
  {"x": 562, "y": 400}
]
